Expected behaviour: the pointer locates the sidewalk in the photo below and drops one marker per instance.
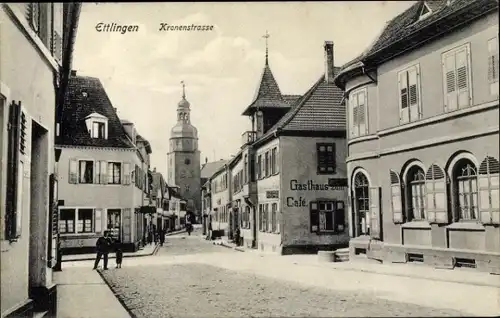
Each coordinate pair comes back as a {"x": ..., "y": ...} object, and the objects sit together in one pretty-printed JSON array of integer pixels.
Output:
[
  {"x": 82, "y": 293},
  {"x": 462, "y": 275},
  {"x": 145, "y": 251}
]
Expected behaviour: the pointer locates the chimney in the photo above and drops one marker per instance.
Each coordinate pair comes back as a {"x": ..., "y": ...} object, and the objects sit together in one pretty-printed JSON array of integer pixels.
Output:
[
  {"x": 73, "y": 73},
  {"x": 329, "y": 62}
]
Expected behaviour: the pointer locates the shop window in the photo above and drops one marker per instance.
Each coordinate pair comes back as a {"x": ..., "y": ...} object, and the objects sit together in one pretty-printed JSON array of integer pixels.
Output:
[
  {"x": 67, "y": 221},
  {"x": 85, "y": 224},
  {"x": 327, "y": 216}
]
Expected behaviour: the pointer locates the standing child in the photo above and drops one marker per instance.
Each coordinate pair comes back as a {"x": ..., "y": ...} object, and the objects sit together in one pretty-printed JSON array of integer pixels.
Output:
[{"x": 119, "y": 254}]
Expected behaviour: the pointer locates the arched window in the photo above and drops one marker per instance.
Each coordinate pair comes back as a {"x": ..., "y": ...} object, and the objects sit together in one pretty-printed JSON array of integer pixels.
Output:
[
  {"x": 465, "y": 185},
  {"x": 396, "y": 204},
  {"x": 489, "y": 191},
  {"x": 437, "y": 208},
  {"x": 362, "y": 204},
  {"x": 415, "y": 193}
]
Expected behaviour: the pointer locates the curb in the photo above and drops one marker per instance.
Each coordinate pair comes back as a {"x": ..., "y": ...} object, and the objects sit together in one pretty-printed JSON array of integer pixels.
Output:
[
  {"x": 155, "y": 250},
  {"x": 132, "y": 315}
]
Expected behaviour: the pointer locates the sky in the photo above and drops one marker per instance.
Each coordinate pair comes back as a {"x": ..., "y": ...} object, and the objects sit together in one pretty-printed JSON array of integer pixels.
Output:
[{"x": 141, "y": 71}]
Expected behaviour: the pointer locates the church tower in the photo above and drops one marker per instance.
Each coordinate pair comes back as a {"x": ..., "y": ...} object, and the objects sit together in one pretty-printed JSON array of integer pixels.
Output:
[{"x": 183, "y": 158}]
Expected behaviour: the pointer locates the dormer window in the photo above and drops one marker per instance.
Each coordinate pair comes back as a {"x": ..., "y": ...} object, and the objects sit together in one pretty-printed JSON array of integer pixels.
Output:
[
  {"x": 425, "y": 12},
  {"x": 98, "y": 130},
  {"x": 97, "y": 126}
]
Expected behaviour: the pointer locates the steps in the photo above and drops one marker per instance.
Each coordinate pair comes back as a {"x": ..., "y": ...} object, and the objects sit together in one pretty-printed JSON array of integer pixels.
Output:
[{"x": 342, "y": 255}]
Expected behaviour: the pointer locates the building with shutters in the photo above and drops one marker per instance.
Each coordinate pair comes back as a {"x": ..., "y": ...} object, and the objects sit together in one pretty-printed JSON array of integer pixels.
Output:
[
  {"x": 104, "y": 179},
  {"x": 36, "y": 52},
  {"x": 291, "y": 205},
  {"x": 286, "y": 188},
  {"x": 423, "y": 144}
]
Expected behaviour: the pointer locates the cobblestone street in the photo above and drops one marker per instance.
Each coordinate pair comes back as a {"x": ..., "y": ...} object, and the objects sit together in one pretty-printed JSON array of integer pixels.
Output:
[{"x": 187, "y": 288}]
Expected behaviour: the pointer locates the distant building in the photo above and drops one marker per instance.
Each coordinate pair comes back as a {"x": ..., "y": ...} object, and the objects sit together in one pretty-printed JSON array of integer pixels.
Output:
[
  {"x": 183, "y": 159},
  {"x": 423, "y": 145},
  {"x": 36, "y": 45},
  {"x": 207, "y": 171},
  {"x": 104, "y": 180}
]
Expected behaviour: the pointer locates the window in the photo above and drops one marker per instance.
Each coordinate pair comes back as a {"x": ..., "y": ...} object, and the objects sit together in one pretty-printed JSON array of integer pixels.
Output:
[
  {"x": 326, "y": 158},
  {"x": 114, "y": 221},
  {"x": 98, "y": 130},
  {"x": 268, "y": 165},
  {"x": 67, "y": 221},
  {"x": 84, "y": 224},
  {"x": 259, "y": 167},
  {"x": 457, "y": 85},
  {"x": 114, "y": 172},
  {"x": 327, "y": 216},
  {"x": 362, "y": 204},
  {"x": 358, "y": 119},
  {"x": 86, "y": 171},
  {"x": 415, "y": 185},
  {"x": 489, "y": 194},
  {"x": 409, "y": 95},
  {"x": 437, "y": 211},
  {"x": 493, "y": 65},
  {"x": 465, "y": 181},
  {"x": 246, "y": 219},
  {"x": 274, "y": 160}
]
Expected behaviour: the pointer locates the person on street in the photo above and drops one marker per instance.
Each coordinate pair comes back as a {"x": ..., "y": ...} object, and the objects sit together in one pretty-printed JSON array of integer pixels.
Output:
[
  {"x": 162, "y": 237},
  {"x": 119, "y": 253},
  {"x": 209, "y": 236},
  {"x": 103, "y": 245}
]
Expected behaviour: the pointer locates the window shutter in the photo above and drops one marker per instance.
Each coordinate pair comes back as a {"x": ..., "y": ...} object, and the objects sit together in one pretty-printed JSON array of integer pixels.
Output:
[
  {"x": 339, "y": 216},
  {"x": 355, "y": 122},
  {"x": 314, "y": 215},
  {"x": 97, "y": 171},
  {"x": 351, "y": 215},
  {"x": 375, "y": 224},
  {"x": 35, "y": 16},
  {"x": 73, "y": 171},
  {"x": 413, "y": 94},
  {"x": 463, "y": 78},
  {"x": 12, "y": 169},
  {"x": 488, "y": 184},
  {"x": 104, "y": 172},
  {"x": 396, "y": 204},
  {"x": 403, "y": 98},
  {"x": 493, "y": 65},
  {"x": 437, "y": 204},
  {"x": 126, "y": 225},
  {"x": 126, "y": 173},
  {"x": 98, "y": 220},
  {"x": 450, "y": 92},
  {"x": 362, "y": 122}
]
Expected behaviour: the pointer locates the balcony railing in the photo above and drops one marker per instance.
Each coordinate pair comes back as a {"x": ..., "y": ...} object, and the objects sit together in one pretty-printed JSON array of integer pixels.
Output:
[{"x": 248, "y": 137}]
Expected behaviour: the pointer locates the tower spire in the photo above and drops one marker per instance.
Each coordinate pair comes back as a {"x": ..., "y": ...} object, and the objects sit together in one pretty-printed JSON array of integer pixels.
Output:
[
  {"x": 266, "y": 36},
  {"x": 183, "y": 90}
]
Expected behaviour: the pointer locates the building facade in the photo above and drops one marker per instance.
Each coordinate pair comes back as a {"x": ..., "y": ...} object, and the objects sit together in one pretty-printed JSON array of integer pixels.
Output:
[
  {"x": 298, "y": 205},
  {"x": 207, "y": 171},
  {"x": 423, "y": 144},
  {"x": 36, "y": 39},
  {"x": 183, "y": 160},
  {"x": 221, "y": 199},
  {"x": 104, "y": 178}
]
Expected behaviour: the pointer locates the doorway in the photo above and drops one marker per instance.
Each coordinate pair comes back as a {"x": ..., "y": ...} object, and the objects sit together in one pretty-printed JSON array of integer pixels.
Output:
[{"x": 39, "y": 203}]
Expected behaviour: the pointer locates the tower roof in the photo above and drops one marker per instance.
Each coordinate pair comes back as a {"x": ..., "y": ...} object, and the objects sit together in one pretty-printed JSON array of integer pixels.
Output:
[{"x": 268, "y": 94}]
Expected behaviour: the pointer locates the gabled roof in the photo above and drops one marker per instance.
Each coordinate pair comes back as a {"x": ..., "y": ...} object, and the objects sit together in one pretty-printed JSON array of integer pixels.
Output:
[
  {"x": 319, "y": 109},
  {"x": 77, "y": 106},
  {"x": 406, "y": 31},
  {"x": 209, "y": 168},
  {"x": 291, "y": 99},
  {"x": 268, "y": 94}
]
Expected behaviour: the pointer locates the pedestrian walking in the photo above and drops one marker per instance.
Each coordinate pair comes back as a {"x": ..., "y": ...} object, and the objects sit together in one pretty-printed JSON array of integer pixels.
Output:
[
  {"x": 119, "y": 253},
  {"x": 103, "y": 245},
  {"x": 162, "y": 237},
  {"x": 150, "y": 237}
]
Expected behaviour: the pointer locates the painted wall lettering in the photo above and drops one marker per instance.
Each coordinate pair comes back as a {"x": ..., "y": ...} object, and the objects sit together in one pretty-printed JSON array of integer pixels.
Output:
[{"x": 310, "y": 185}]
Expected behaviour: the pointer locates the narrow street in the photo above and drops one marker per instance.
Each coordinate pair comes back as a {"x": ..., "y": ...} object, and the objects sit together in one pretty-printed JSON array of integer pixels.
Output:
[{"x": 190, "y": 277}]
